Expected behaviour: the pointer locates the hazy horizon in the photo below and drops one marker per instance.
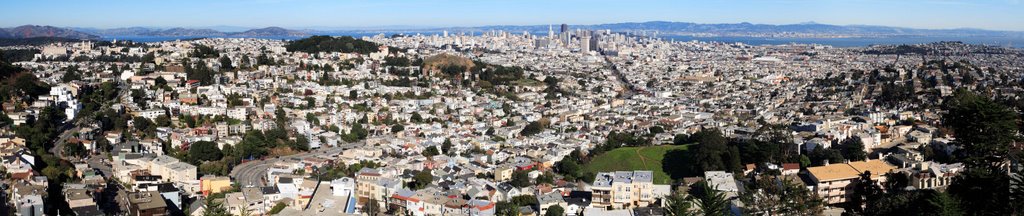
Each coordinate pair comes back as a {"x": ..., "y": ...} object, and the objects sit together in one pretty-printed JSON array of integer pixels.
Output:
[
  {"x": 232, "y": 28},
  {"x": 999, "y": 15}
]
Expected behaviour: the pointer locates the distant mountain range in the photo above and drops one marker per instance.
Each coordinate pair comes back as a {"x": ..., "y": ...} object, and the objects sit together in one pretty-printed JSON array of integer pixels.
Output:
[
  {"x": 192, "y": 32},
  {"x": 808, "y": 30},
  {"x": 34, "y": 31}
]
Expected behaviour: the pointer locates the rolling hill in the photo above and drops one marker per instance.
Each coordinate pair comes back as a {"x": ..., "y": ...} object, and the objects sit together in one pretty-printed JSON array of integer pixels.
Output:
[
  {"x": 636, "y": 158},
  {"x": 35, "y": 31}
]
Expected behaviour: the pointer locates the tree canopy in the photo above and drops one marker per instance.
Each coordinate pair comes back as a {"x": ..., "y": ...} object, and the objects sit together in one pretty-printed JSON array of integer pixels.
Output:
[
  {"x": 323, "y": 43},
  {"x": 202, "y": 151}
]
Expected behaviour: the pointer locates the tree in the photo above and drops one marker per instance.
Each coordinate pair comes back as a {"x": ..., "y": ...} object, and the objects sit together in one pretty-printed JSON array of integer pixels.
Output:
[
  {"x": 853, "y": 149},
  {"x": 519, "y": 179},
  {"x": 225, "y": 63},
  {"x": 358, "y": 131},
  {"x": 202, "y": 151},
  {"x": 531, "y": 129},
  {"x": 984, "y": 128},
  {"x": 446, "y": 147},
  {"x": 397, "y": 128},
  {"x": 277, "y": 208},
  {"x": 546, "y": 178},
  {"x": 983, "y": 191},
  {"x": 203, "y": 51},
  {"x": 680, "y": 139},
  {"x": 421, "y": 180},
  {"x": 301, "y": 143},
  {"x": 214, "y": 208},
  {"x": 372, "y": 208},
  {"x": 712, "y": 202},
  {"x": 569, "y": 168},
  {"x": 75, "y": 149},
  {"x": 142, "y": 123},
  {"x": 656, "y": 129},
  {"x": 323, "y": 43},
  {"x": 504, "y": 208},
  {"x": 430, "y": 151},
  {"x": 819, "y": 155},
  {"x": 524, "y": 200},
  {"x": 555, "y": 210},
  {"x": 213, "y": 167},
  {"x": 865, "y": 191},
  {"x": 160, "y": 82},
  {"x": 770, "y": 194},
  {"x": 942, "y": 204},
  {"x": 163, "y": 121},
  {"x": 71, "y": 74},
  {"x": 416, "y": 117},
  {"x": 148, "y": 57},
  {"x": 678, "y": 204},
  {"x": 709, "y": 152}
]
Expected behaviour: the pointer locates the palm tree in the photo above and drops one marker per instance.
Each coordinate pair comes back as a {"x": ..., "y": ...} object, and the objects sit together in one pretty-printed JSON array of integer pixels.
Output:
[
  {"x": 712, "y": 202},
  {"x": 942, "y": 204},
  {"x": 678, "y": 204},
  {"x": 372, "y": 208},
  {"x": 214, "y": 208}
]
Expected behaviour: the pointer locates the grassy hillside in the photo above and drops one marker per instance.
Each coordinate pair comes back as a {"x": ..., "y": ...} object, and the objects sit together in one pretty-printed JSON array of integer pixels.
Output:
[
  {"x": 441, "y": 62},
  {"x": 635, "y": 158}
]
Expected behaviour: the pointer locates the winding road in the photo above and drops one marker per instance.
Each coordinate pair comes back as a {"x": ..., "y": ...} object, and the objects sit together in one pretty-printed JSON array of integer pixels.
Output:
[{"x": 252, "y": 173}]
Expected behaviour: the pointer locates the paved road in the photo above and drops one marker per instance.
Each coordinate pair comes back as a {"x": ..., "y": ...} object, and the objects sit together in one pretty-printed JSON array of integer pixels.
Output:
[
  {"x": 630, "y": 90},
  {"x": 97, "y": 162},
  {"x": 58, "y": 145},
  {"x": 252, "y": 173}
]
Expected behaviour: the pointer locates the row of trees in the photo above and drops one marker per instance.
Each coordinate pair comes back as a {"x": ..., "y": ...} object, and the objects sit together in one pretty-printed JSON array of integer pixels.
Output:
[{"x": 323, "y": 43}]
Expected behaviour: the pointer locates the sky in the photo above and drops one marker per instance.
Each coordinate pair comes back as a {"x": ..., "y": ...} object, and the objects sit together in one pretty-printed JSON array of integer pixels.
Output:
[{"x": 313, "y": 14}]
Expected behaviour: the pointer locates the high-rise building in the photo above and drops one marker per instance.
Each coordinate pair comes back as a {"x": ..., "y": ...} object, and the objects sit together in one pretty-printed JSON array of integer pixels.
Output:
[
  {"x": 551, "y": 32},
  {"x": 565, "y": 28},
  {"x": 584, "y": 43}
]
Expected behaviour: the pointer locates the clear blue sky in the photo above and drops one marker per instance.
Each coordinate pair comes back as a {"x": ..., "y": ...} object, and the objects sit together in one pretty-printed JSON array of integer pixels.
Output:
[{"x": 986, "y": 14}]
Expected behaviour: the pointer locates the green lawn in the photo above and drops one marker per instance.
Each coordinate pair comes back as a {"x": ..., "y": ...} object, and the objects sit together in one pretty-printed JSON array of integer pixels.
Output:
[{"x": 634, "y": 158}]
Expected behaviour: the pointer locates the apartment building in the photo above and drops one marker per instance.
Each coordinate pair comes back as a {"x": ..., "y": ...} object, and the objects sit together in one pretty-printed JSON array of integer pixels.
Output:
[
  {"x": 173, "y": 170},
  {"x": 623, "y": 189},
  {"x": 835, "y": 182}
]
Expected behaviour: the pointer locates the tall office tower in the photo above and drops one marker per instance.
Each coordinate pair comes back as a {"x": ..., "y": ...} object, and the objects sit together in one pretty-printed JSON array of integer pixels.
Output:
[
  {"x": 584, "y": 43},
  {"x": 593, "y": 43},
  {"x": 566, "y": 38},
  {"x": 565, "y": 27},
  {"x": 551, "y": 32}
]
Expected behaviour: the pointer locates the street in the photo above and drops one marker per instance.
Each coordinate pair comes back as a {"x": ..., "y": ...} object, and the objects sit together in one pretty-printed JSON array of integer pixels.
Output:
[{"x": 252, "y": 173}]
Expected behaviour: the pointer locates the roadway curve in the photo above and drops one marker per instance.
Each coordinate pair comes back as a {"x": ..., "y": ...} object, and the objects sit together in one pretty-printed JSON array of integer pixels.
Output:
[{"x": 252, "y": 173}]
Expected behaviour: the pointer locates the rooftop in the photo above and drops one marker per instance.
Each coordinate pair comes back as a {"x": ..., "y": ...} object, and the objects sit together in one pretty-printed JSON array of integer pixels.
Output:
[{"x": 850, "y": 170}]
